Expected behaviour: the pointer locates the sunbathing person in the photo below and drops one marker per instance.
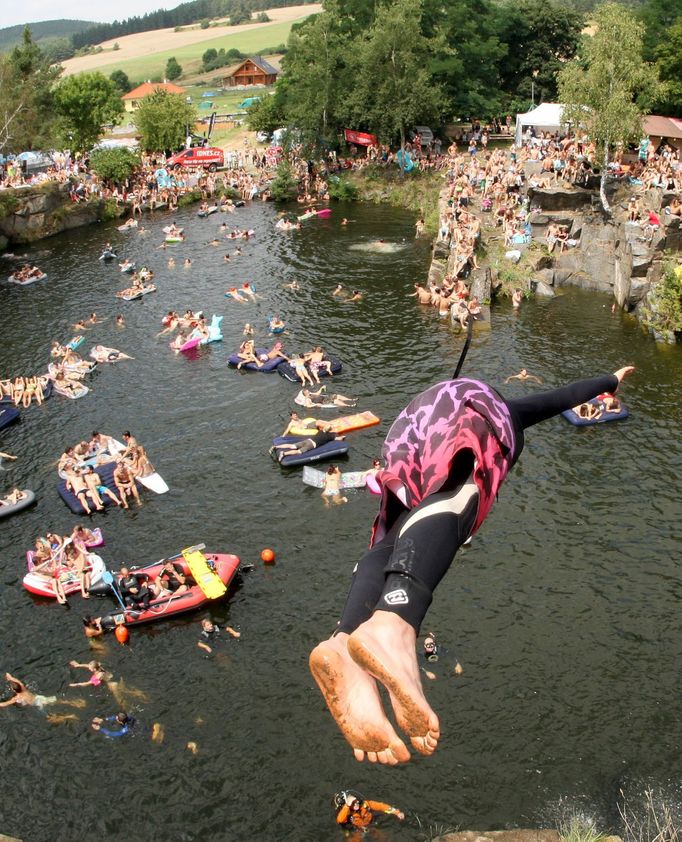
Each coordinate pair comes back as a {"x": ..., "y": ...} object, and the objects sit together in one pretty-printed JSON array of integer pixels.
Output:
[
  {"x": 312, "y": 399},
  {"x": 322, "y": 436},
  {"x": 247, "y": 354},
  {"x": 588, "y": 411},
  {"x": 96, "y": 487},
  {"x": 13, "y": 497}
]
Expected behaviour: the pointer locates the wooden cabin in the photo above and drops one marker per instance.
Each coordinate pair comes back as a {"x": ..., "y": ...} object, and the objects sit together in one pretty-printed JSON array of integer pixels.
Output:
[{"x": 254, "y": 70}]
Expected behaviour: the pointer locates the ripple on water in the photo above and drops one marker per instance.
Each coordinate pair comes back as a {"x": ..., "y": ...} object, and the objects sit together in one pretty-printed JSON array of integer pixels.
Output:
[{"x": 563, "y": 611}]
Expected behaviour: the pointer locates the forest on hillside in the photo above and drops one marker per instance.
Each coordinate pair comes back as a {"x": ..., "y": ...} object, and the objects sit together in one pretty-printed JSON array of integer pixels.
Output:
[{"x": 42, "y": 31}]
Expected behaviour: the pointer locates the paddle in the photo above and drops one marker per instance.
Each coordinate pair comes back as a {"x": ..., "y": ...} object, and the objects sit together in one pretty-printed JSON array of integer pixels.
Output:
[{"x": 108, "y": 578}]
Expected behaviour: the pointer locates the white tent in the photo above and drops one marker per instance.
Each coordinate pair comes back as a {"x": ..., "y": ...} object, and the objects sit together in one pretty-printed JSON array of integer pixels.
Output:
[{"x": 547, "y": 117}]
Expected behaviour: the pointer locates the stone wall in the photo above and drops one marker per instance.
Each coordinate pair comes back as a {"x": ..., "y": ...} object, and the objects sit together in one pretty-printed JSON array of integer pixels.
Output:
[{"x": 29, "y": 214}]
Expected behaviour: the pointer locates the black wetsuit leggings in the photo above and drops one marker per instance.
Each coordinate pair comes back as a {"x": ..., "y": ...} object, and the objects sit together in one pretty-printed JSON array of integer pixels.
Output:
[{"x": 401, "y": 572}]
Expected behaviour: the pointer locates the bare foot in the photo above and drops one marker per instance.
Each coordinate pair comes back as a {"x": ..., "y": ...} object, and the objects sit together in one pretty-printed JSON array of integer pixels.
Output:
[
  {"x": 353, "y": 700},
  {"x": 384, "y": 645}
]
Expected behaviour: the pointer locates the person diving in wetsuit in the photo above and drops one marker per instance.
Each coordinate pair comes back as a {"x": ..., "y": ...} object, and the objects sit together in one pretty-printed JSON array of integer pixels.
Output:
[{"x": 446, "y": 456}]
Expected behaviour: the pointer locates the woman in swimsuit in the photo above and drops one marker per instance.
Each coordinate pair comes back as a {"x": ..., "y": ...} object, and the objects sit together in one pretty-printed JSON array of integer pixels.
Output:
[
  {"x": 332, "y": 487},
  {"x": 299, "y": 365},
  {"x": 247, "y": 354},
  {"x": 312, "y": 399}
]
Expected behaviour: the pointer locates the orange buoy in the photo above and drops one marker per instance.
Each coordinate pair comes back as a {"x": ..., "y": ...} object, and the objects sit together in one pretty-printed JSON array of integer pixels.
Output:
[
  {"x": 122, "y": 634},
  {"x": 267, "y": 555}
]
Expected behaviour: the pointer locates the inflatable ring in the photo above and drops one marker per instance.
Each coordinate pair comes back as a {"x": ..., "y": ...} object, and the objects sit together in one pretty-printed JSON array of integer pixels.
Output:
[{"x": 304, "y": 427}]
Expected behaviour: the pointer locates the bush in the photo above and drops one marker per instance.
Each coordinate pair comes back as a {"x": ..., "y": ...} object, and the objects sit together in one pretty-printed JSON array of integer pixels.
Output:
[
  {"x": 205, "y": 23},
  {"x": 663, "y": 310},
  {"x": 263, "y": 18},
  {"x": 342, "y": 190},
  {"x": 173, "y": 69},
  {"x": 283, "y": 187},
  {"x": 116, "y": 46},
  {"x": 115, "y": 165}
]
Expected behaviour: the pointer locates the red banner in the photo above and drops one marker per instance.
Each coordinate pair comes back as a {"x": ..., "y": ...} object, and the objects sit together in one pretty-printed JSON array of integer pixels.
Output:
[{"x": 360, "y": 138}]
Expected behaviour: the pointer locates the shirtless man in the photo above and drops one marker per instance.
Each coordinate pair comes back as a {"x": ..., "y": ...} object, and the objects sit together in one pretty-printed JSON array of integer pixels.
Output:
[
  {"x": 523, "y": 375},
  {"x": 125, "y": 484},
  {"x": 97, "y": 488},
  {"x": 76, "y": 484},
  {"x": 422, "y": 295},
  {"x": 517, "y": 297}
]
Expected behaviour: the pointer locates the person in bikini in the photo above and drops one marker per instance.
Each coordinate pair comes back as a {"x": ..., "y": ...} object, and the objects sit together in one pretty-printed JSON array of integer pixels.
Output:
[
  {"x": 331, "y": 492},
  {"x": 446, "y": 456}
]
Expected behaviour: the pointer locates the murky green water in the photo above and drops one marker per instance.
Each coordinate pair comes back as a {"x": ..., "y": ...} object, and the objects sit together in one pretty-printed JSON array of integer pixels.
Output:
[{"x": 564, "y": 611}]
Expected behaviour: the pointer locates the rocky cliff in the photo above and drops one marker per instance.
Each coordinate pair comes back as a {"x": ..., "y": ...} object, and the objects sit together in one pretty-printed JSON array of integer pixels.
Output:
[{"x": 32, "y": 213}]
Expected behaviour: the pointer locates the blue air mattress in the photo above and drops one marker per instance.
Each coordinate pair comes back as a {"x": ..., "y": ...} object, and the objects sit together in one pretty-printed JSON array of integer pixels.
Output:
[
  {"x": 8, "y": 415},
  {"x": 266, "y": 368},
  {"x": 577, "y": 421},
  {"x": 317, "y": 454},
  {"x": 106, "y": 474},
  {"x": 287, "y": 370}
]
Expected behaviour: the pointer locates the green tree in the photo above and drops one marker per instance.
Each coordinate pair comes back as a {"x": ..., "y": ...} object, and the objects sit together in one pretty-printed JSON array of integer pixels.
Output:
[
  {"x": 121, "y": 81},
  {"x": 163, "y": 120},
  {"x": 318, "y": 76},
  {"x": 267, "y": 114},
  {"x": 27, "y": 117},
  {"x": 669, "y": 65},
  {"x": 239, "y": 13},
  {"x": 394, "y": 89},
  {"x": 84, "y": 103},
  {"x": 263, "y": 17},
  {"x": 173, "y": 69},
  {"x": 608, "y": 88},
  {"x": 469, "y": 70},
  {"x": 283, "y": 186},
  {"x": 539, "y": 36},
  {"x": 208, "y": 58},
  {"x": 658, "y": 16},
  {"x": 116, "y": 165}
]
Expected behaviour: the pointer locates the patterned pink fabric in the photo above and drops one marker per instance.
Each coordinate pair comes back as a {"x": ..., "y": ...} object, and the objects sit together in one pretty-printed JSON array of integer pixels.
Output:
[{"x": 427, "y": 435}]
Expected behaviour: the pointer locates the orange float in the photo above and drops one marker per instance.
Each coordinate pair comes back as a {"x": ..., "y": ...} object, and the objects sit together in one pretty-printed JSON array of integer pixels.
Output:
[
  {"x": 122, "y": 634},
  {"x": 267, "y": 555}
]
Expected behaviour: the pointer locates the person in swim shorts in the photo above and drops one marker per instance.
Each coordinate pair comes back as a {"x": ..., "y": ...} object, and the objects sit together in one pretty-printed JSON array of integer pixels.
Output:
[{"x": 446, "y": 455}]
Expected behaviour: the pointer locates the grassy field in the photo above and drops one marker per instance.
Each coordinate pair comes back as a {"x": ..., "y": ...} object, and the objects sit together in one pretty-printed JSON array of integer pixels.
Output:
[{"x": 144, "y": 55}]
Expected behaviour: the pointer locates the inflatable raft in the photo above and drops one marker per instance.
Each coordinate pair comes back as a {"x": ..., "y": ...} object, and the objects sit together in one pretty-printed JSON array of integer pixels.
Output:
[
  {"x": 126, "y": 268},
  {"x": 43, "y": 584},
  {"x": 30, "y": 280},
  {"x": 577, "y": 421},
  {"x": 106, "y": 474},
  {"x": 7, "y": 401},
  {"x": 202, "y": 214},
  {"x": 266, "y": 368},
  {"x": 317, "y": 454},
  {"x": 287, "y": 370},
  {"x": 211, "y": 572},
  {"x": 135, "y": 295},
  {"x": 80, "y": 390},
  {"x": 127, "y": 226},
  {"x": 108, "y": 254},
  {"x": 8, "y": 415},
  {"x": 76, "y": 342},
  {"x": 357, "y": 421},
  {"x": 15, "y": 508}
]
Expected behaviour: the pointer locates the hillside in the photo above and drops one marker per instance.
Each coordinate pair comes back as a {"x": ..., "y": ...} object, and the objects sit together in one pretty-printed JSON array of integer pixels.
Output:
[
  {"x": 44, "y": 30},
  {"x": 144, "y": 55}
]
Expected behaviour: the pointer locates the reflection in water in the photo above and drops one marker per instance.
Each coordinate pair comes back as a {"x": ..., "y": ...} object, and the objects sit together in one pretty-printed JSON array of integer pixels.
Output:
[{"x": 564, "y": 611}]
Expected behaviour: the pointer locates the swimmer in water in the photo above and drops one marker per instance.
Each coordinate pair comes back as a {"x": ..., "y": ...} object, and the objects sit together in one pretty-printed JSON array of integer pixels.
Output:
[
  {"x": 517, "y": 297},
  {"x": 25, "y": 698},
  {"x": 432, "y": 501},
  {"x": 338, "y": 290},
  {"x": 171, "y": 262},
  {"x": 523, "y": 375},
  {"x": 344, "y": 221},
  {"x": 210, "y": 631},
  {"x": 226, "y": 258},
  {"x": 187, "y": 263},
  {"x": 359, "y": 813},
  {"x": 294, "y": 285},
  {"x": 356, "y": 295},
  {"x": 248, "y": 330}
]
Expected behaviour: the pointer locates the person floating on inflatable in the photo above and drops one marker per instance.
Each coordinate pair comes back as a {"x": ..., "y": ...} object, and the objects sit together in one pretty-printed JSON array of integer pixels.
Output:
[
  {"x": 446, "y": 457},
  {"x": 355, "y": 812}
]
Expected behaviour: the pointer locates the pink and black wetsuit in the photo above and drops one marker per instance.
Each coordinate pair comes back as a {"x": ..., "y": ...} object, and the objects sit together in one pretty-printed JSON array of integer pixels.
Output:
[{"x": 447, "y": 455}]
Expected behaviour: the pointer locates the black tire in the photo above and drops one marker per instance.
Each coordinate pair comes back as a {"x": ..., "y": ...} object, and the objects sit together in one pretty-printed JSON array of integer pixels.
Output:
[{"x": 212, "y": 167}]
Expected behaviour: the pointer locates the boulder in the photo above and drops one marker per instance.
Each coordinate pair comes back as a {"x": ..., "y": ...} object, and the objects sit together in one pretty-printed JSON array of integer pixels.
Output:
[
  {"x": 501, "y": 836},
  {"x": 540, "y": 262},
  {"x": 559, "y": 198},
  {"x": 673, "y": 233},
  {"x": 544, "y": 275},
  {"x": 538, "y": 218},
  {"x": 541, "y": 288},
  {"x": 639, "y": 288}
]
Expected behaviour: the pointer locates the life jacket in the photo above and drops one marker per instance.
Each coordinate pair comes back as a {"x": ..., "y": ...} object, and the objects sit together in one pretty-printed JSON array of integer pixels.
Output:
[{"x": 420, "y": 447}]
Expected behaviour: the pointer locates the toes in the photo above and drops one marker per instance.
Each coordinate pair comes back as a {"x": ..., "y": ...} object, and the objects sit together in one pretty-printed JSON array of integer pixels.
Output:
[
  {"x": 400, "y": 751},
  {"x": 372, "y": 756},
  {"x": 359, "y": 754}
]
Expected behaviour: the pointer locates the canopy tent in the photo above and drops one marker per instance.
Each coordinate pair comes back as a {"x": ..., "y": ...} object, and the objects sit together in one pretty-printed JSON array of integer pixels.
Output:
[{"x": 547, "y": 117}]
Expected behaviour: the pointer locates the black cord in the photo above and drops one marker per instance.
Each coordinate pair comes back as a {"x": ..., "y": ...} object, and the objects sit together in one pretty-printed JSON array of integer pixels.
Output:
[{"x": 460, "y": 362}]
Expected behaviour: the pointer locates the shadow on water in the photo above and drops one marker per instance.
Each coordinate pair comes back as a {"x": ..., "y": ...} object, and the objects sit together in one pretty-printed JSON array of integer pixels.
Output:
[{"x": 564, "y": 611}]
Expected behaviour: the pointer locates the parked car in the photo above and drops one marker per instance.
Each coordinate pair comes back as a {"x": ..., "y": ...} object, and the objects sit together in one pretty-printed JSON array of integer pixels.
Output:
[
  {"x": 424, "y": 133},
  {"x": 208, "y": 157},
  {"x": 262, "y": 137}
]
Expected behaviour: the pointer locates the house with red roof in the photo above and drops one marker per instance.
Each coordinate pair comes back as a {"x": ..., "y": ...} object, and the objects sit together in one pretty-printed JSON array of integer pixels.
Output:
[{"x": 132, "y": 100}]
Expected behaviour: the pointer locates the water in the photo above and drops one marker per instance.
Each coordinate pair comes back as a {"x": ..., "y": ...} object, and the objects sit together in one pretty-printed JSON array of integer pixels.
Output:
[{"x": 564, "y": 611}]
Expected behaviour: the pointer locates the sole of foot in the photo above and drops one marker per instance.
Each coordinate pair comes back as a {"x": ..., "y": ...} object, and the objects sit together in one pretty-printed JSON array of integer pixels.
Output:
[
  {"x": 353, "y": 700},
  {"x": 400, "y": 676}
]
